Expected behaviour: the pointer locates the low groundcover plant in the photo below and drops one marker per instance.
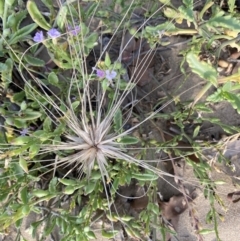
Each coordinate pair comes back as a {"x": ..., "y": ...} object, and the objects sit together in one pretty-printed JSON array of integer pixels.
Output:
[{"x": 73, "y": 129}]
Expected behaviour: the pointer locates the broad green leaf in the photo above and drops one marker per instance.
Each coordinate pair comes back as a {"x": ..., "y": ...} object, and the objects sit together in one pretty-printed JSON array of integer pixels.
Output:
[
  {"x": 9, "y": 2},
  {"x": 233, "y": 99},
  {"x": 33, "y": 61},
  {"x": 62, "y": 16},
  {"x": 52, "y": 187},
  {"x": 68, "y": 182},
  {"x": 109, "y": 233},
  {"x": 216, "y": 96},
  {"x": 75, "y": 104},
  {"x": 15, "y": 19},
  {"x": 91, "y": 40},
  {"x": 196, "y": 131},
  {"x": 36, "y": 15},
  {"x": 166, "y": 2},
  {"x": 33, "y": 150},
  {"x": 53, "y": 79},
  {"x": 107, "y": 60},
  {"x": 118, "y": 121},
  {"x": 91, "y": 235},
  {"x": 40, "y": 193},
  {"x": 89, "y": 188},
  {"x": 187, "y": 10},
  {"x": 172, "y": 13},
  {"x": 204, "y": 70},
  {"x": 47, "y": 124},
  {"x": 69, "y": 190},
  {"x": 128, "y": 140},
  {"x": 3, "y": 67},
  {"x": 7, "y": 73},
  {"x": 24, "y": 195},
  {"x": 23, "y": 164},
  {"x": 21, "y": 33},
  {"x": 229, "y": 22},
  {"x": 20, "y": 140},
  {"x": 231, "y": 5},
  {"x": 30, "y": 115}
]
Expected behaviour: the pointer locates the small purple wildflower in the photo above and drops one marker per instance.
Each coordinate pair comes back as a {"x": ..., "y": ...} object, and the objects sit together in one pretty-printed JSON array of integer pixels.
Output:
[
  {"x": 74, "y": 30},
  {"x": 53, "y": 33},
  {"x": 24, "y": 132},
  {"x": 100, "y": 73},
  {"x": 110, "y": 75},
  {"x": 38, "y": 37}
]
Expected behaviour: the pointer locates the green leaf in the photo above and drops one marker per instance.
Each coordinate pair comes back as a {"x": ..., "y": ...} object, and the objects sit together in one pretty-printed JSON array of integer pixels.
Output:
[
  {"x": 166, "y": 2},
  {"x": 145, "y": 176},
  {"x": 231, "y": 5},
  {"x": 33, "y": 61},
  {"x": 75, "y": 104},
  {"x": 52, "y": 187},
  {"x": 107, "y": 60},
  {"x": 109, "y": 233},
  {"x": 90, "y": 234},
  {"x": 51, "y": 224},
  {"x": 229, "y": 22},
  {"x": 62, "y": 17},
  {"x": 23, "y": 106},
  {"x": 154, "y": 208},
  {"x": 3, "y": 67},
  {"x": 69, "y": 190},
  {"x": 47, "y": 124},
  {"x": 24, "y": 195},
  {"x": 196, "y": 131},
  {"x": 20, "y": 140},
  {"x": 49, "y": 4},
  {"x": 23, "y": 164},
  {"x": 9, "y": 2},
  {"x": 89, "y": 188},
  {"x": 204, "y": 70},
  {"x": 53, "y": 79},
  {"x": 68, "y": 182},
  {"x": 128, "y": 140},
  {"x": 7, "y": 74},
  {"x": 233, "y": 99},
  {"x": 15, "y": 19},
  {"x": 187, "y": 10},
  {"x": 34, "y": 150},
  {"x": 30, "y": 115},
  {"x": 118, "y": 121},
  {"x": 40, "y": 193},
  {"x": 36, "y": 15},
  {"x": 23, "y": 32},
  {"x": 91, "y": 40}
]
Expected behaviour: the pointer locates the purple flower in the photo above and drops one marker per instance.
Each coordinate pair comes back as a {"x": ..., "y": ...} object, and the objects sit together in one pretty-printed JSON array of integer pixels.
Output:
[
  {"x": 24, "y": 131},
  {"x": 110, "y": 74},
  {"x": 74, "y": 30},
  {"x": 100, "y": 73},
  {"x": 53, "y": 33},
  {"x": 38, "y": 37}
]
